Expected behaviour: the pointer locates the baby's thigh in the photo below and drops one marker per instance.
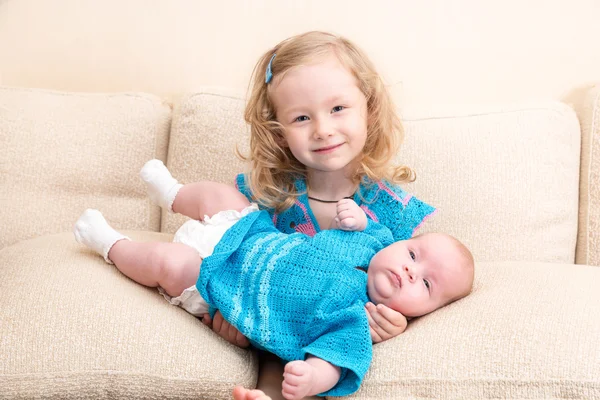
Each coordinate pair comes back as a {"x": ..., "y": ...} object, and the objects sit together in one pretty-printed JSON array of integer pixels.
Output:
[{"x": 180, "y": 267}]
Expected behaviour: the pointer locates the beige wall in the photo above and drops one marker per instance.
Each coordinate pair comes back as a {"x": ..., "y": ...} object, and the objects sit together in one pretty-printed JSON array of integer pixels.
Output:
[{"x": 431, "y": 52}]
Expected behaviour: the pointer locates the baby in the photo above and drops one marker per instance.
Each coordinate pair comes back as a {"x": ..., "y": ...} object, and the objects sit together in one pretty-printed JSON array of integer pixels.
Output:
[{"x": 299, "y": 297}]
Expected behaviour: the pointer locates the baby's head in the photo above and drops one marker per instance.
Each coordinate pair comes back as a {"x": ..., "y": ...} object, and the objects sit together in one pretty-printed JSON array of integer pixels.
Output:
[
  {"x": 316, "y": 90},
  {"x": 421, "y": 274}
]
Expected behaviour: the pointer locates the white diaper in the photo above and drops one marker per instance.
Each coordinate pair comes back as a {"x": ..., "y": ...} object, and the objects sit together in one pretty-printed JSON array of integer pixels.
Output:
[{"x": 203, "y": 236}]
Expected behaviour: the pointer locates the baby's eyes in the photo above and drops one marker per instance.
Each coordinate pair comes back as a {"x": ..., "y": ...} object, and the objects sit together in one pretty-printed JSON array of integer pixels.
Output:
[
  {"x": 427, "y": 284},
  {"x": 337, "y": 109},
  {"x": 412, "y": 255}
]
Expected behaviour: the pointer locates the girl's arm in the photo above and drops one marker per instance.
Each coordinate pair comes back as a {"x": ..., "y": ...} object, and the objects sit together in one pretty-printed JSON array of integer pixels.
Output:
[{"x": 225, "y": 329}]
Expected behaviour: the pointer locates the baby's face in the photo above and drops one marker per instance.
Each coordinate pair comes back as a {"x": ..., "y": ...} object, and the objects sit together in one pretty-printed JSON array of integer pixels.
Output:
[{"x": 419, "y": 275}]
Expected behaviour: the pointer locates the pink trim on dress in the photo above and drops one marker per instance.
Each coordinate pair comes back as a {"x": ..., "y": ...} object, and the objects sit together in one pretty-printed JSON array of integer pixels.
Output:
[
  {"x": 307, "y": 228},
  {"x": 369, "y": 213},
  {"x": 423, "y": 221},
  {"x": 383, "y": 187}
]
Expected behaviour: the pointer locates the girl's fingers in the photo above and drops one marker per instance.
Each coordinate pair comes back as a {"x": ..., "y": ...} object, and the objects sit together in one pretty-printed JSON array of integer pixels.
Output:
[{"x": 393, "y": 319}]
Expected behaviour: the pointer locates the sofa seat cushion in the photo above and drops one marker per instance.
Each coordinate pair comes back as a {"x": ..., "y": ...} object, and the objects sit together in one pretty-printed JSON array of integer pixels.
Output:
[
  {"x": 64, "y": 152},
  {"x": 527, "y": 331},
  {"x": 74, "y": 327}
]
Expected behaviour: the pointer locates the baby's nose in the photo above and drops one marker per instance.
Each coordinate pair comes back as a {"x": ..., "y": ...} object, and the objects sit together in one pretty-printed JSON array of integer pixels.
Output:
[{"x": 409, "y": 273}]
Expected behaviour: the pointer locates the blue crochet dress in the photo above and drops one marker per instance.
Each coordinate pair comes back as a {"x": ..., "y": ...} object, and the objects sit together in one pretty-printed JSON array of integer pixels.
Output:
[
  {"x": 382, "y": 201},
  {"x": 294, "y": 295}
]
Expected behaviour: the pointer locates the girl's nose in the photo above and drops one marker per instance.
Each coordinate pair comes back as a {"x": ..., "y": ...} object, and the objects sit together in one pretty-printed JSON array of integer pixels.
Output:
[{"x": 323, "y": 129}]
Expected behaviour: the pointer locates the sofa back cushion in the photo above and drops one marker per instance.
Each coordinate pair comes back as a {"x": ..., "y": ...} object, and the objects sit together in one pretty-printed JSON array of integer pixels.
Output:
[
  {"x": 588, "y": 242},
  {"x": 207, "y": 128},
  {"x": 505, "y": 181},
  {"x": 61, "y": 153}
]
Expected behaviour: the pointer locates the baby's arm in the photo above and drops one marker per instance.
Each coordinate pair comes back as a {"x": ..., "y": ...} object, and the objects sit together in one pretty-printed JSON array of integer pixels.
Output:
[
  {"x": 307, "y": 378},
  {"x": 349, "y": 216}
]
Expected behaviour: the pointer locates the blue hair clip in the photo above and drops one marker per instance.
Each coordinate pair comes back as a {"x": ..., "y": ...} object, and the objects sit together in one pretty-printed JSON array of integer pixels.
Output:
[{"x": 269, "y": 73}]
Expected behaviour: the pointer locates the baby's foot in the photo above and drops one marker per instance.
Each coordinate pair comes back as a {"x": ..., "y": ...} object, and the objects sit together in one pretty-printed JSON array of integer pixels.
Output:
[
  {"x": 92, "y": 230},
  {"x": 161, "y": 186},
  {"x": 298, "y": 380}
]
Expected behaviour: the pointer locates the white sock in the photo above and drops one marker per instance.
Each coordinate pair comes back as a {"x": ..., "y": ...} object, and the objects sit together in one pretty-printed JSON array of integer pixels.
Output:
[
  {"x": 92, "y": 230},
  {"x": 161, "y": 186}
]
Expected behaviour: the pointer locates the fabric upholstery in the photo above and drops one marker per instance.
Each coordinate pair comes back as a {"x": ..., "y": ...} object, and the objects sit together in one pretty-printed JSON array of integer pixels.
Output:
[
  {"x": 63, "y": 152},
  {"x": 505, "y": 181},
  {"x": 588, "y": 241},
  {"x": 74, "y": 327},
  {"x": 207, "y": 128}
]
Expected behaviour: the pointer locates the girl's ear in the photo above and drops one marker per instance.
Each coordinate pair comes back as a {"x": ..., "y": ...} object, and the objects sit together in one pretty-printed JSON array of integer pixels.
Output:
[{"x": 280, "y": 140}]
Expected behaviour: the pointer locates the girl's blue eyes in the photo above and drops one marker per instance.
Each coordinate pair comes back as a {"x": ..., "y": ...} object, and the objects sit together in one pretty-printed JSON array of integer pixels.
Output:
[
  {"x": 412, "y": 255},
  {"x": 303, "y": 118}
]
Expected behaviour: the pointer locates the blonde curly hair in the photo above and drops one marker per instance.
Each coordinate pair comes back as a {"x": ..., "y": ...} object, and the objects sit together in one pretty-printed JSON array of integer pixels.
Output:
[{"x": 274, "y": 168}]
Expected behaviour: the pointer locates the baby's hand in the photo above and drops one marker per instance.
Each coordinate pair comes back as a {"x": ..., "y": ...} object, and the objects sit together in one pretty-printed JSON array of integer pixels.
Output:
[
  {"x": 225, "y": 330},
  {"x": 384, "y": 323},
  {"x": 350, "y": 217},
  {"x": 298, "y": 379}
]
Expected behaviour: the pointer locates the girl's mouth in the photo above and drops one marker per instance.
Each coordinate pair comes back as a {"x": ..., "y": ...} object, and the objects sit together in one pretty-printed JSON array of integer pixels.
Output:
[{"x": 328, "y": 149}]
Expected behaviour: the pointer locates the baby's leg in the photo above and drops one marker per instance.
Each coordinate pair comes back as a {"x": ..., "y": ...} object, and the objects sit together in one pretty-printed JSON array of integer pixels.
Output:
[
  {"x": 199, "y": 199},
  {"x": 194, "y": 200},
  {"x": 172, "y": 266},
  {"x": 307, "y": 378}
]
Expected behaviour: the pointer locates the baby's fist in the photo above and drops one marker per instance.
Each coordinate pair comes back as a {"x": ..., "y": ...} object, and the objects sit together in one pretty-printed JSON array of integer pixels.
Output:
[{"x": 349, "y": 216}]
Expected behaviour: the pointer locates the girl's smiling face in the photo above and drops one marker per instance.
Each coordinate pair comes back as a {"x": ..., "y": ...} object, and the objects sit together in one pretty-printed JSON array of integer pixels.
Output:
[
  {"x": 419, "y": 275},
  {"x": 323, "y": 112}
]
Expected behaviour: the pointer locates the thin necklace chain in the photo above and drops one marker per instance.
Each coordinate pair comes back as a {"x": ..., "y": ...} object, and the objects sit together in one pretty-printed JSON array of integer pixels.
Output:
[{"x": 329, "y": 201}]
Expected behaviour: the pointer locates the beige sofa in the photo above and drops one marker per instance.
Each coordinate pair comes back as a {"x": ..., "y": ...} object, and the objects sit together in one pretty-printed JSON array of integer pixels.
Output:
[{"x": 518, "y": 184}]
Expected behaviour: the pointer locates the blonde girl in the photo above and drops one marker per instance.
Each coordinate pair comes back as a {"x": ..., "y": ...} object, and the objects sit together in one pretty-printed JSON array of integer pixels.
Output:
[{"x": 323, "y": 129}]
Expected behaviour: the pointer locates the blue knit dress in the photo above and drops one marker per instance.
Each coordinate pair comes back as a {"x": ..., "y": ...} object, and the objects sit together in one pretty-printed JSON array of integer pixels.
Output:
[
  {"x": 382, "y": 201},
  {"x": 294, "y": 295}
]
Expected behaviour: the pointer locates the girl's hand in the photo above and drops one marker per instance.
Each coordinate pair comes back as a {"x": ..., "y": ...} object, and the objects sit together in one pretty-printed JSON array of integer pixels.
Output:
[
  {"x": 384, "y": 322},
  {"x": 225, "y": 330},
  {"x": 349, "y": 216}
]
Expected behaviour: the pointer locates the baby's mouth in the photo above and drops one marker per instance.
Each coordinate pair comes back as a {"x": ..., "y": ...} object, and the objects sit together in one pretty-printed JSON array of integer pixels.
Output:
[{"x": 396, "y": 280}]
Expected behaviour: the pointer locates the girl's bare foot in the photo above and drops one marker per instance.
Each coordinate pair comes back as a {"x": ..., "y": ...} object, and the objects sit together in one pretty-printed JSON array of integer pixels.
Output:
[{"x": 241, "y": 393}]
